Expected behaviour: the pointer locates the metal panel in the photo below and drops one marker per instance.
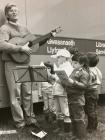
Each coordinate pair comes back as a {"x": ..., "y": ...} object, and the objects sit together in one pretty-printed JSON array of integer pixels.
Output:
[{"x": 4, "y": 94}]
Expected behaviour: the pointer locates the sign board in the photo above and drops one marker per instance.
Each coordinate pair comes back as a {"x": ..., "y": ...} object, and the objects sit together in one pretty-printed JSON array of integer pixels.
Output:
[{"x": 83, "y": 45}]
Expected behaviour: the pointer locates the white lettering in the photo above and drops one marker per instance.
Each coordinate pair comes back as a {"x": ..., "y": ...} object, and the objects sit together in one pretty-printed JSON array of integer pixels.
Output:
[
  {"x": 52, "y": 50},
  {"x": 99, "y": 52},
  {"x": 99, "y": 44},
  {"x": 61, "y": 42}
]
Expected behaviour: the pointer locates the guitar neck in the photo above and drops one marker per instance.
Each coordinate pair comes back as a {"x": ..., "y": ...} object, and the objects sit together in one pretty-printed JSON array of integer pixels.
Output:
[{"x": 41, "y": 40}]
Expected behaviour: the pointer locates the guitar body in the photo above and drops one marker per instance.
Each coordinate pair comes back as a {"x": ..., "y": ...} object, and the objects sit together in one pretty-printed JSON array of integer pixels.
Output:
[
  {"x": 20, "y": 57},
  {"x": 30, "y": 40}
]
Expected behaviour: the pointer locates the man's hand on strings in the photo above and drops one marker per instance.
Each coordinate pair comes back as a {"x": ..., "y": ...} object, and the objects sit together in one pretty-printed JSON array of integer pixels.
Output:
[{"x": 26, "y": 49}]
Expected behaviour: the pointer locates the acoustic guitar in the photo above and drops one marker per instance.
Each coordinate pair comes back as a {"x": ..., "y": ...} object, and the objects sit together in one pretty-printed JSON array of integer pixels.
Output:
[{"x": 23, "y": 57}]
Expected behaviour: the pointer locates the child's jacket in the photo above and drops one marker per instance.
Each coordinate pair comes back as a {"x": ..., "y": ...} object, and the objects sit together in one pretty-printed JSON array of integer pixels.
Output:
[{"x": 75, "y": 92}]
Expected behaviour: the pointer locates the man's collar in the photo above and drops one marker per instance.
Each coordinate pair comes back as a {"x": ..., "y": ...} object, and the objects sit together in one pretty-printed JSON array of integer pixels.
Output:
[{"x": 13, "y": 23}]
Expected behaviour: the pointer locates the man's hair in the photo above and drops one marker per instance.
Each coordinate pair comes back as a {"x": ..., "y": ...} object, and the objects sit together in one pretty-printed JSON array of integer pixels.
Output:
[
  {"x": 93, "y": 59},
  {"x": 7, "y": 8}
]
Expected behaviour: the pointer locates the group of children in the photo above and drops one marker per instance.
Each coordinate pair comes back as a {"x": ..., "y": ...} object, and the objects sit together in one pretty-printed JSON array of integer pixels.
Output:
[{"x": 73, "y": 99}]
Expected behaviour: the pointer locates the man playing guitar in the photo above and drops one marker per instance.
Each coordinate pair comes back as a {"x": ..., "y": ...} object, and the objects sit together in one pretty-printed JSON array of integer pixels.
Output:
[{"x": 10, "y": 30}]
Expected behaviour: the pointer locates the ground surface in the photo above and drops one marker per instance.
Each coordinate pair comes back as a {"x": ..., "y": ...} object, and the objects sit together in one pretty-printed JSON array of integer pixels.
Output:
[{"x": 6, "y": 123}]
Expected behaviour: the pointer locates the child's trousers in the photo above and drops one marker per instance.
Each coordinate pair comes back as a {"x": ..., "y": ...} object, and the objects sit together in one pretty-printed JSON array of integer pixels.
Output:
[
  {"x": 91, "y": 109},
  {"x": 78, "y": 120}
]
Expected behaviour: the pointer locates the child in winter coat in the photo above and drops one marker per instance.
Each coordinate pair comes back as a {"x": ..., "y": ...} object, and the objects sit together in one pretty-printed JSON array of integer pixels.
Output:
[{"x": 60, "y": 96}]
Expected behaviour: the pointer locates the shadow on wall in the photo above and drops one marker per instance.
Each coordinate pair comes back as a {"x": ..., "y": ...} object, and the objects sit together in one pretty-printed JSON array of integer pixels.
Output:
[{"x": 2, "y": 18}]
